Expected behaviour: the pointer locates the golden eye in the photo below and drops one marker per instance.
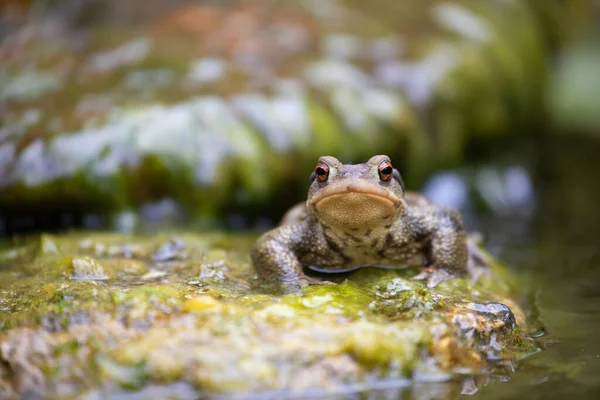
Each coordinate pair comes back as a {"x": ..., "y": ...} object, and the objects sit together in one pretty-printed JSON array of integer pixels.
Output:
[
  {"x": 385, "y": 171},
  {"x": 322, "y": 172}
]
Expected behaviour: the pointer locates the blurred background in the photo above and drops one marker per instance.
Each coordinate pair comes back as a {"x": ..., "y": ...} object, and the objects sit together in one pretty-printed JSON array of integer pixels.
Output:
[
  {"x": 120, "y": 114},
  {"x": 142, "y": 115}
]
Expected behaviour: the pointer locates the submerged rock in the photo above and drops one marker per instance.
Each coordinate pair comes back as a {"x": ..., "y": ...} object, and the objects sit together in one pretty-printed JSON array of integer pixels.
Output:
[{"x": 189, "y": 312}]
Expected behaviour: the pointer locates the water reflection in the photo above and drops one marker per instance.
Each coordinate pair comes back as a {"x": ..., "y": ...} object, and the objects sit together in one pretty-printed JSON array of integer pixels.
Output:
[{"x": 563, "y": 264}]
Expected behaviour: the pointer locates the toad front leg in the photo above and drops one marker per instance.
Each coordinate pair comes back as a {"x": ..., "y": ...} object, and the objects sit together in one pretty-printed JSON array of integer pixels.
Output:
[
  {"x": 447, "y": 250},
  {"x": 275, "y": 256}
]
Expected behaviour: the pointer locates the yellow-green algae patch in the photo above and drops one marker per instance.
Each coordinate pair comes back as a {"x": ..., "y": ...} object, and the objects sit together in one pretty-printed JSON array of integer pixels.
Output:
[{"x": 111, "y": 313}]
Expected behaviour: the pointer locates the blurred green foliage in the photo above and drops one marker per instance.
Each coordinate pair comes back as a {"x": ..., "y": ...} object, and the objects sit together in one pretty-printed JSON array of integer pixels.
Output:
[{"x": 227, "y": 106}]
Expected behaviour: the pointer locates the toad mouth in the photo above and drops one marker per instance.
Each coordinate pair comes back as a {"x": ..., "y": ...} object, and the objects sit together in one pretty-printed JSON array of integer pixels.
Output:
[{"x": 340, "y": 190}]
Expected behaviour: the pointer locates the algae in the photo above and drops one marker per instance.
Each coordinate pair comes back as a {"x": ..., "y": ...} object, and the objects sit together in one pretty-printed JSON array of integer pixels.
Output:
[{"x": 188, "y": 309}]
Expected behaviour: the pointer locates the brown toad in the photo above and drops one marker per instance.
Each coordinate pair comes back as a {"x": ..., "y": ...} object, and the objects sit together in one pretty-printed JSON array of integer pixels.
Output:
[{"x": 359, "y": 215}]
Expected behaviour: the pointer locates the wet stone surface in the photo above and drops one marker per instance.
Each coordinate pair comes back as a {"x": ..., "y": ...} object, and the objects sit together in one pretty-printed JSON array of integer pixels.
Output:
[{"x": 106, "y": 314}]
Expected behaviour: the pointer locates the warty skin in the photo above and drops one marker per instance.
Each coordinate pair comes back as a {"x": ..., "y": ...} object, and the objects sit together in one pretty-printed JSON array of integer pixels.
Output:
[{"x": 360, "y": 215}]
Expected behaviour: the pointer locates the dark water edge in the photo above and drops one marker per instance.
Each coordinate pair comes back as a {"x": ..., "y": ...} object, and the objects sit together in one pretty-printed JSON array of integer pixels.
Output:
[{"x": 564, "y": 264}]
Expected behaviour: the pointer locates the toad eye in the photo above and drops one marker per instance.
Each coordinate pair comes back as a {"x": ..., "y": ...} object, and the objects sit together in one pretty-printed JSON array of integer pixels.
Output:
[
  {"x": 386, "y": 171},
  {"x": 322, "y": 172}
]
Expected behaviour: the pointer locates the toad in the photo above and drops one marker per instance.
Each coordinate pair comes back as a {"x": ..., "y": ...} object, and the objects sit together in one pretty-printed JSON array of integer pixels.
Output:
[{"x": 356, "y": 216}]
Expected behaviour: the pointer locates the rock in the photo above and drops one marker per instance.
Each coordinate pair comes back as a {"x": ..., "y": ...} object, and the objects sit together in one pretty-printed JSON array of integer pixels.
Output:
[
  {"x": 207, "y": 323},
  {"x": 173, "y": 249},
  {"x": 86, "y": 268}
]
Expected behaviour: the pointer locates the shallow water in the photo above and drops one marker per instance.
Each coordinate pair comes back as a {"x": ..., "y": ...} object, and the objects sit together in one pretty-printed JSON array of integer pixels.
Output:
[{"x": 564, "y": 264}]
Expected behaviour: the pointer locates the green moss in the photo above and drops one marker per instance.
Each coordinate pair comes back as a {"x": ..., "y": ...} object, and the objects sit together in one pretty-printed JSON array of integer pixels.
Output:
[
  {"x": 346, "y": 298},
  {"x": 201, "y": 317}
]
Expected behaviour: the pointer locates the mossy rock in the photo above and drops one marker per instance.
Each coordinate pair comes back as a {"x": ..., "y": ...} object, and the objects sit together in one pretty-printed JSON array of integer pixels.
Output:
[{"x": 187, "y": 312}]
